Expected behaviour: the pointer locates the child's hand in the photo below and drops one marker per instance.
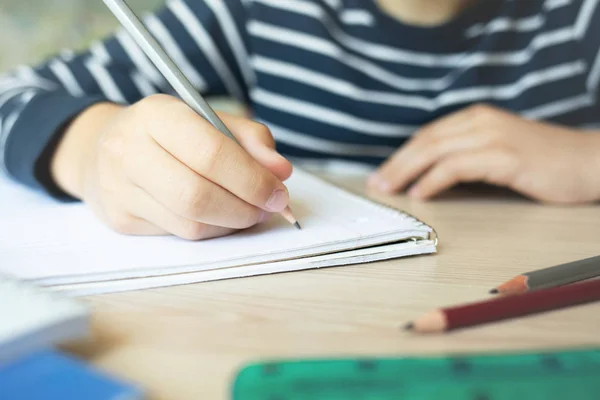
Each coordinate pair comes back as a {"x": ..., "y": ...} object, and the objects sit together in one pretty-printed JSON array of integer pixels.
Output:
[
  {"x": 481, "y": 143},
  {"x": 157, "y": 167}
]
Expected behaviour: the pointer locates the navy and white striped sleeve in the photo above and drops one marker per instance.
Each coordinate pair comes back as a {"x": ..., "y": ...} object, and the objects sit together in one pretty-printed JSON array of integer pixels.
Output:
[
  {"x": 205, "y": 38},
  {"x": 587, "y": 29}
]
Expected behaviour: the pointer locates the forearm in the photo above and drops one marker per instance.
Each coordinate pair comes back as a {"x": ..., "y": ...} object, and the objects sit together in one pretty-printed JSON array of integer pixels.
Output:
[{"x": 77, "y": 146}]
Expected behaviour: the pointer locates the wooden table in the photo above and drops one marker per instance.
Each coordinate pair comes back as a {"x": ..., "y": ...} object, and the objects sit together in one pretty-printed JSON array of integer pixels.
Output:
[{"x": 187, "y": 342}]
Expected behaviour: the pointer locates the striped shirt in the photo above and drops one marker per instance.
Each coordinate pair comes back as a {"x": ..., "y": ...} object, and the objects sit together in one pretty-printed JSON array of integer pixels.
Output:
[{"x": 333, "y": 79}]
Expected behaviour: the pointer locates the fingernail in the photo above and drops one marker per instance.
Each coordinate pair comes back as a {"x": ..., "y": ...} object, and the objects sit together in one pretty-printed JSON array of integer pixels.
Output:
[
  {"x": 278, "y": 201},
  {"x": 377, "y": 182}
]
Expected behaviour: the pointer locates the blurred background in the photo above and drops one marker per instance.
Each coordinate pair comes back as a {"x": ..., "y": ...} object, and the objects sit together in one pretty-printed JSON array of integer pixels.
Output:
[{"x": 31, "y": 30}]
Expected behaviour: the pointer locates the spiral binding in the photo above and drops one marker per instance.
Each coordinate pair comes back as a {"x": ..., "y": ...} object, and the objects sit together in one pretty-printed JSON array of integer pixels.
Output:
[{"x": 386, "y": 208}]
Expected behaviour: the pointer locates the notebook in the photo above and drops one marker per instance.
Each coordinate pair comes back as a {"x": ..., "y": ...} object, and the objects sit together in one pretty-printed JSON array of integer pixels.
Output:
[{"x": 65, "y": 248}]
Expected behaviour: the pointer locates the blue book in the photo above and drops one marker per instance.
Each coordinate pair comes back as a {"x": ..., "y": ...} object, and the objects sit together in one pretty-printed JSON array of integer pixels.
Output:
[{"x": 50, "y": 375}]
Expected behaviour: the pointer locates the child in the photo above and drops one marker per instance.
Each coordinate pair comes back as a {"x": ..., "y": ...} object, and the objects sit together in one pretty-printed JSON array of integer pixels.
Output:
[{"x": 435, "y": 92}]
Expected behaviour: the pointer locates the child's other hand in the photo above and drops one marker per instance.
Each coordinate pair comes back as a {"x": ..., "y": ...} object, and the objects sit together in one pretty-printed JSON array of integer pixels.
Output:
[
  {"x": 158, "y": 168},
  {"x": 546, "y": 162}
]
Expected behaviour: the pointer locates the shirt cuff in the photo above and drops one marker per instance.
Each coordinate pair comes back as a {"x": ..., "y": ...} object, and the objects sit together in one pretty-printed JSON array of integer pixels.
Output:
[{"x": 35, "y": 136}]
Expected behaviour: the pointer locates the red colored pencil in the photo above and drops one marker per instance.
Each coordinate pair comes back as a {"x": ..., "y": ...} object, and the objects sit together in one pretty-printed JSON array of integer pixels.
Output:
[{"x": 506, "y": 307}]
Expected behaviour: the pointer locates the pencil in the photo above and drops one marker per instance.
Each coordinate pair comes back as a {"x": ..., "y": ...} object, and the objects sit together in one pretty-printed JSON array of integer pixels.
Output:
[
  {"x": 505, "y": 307},
  {"x": 553, "y": 276},
  {"x": 144, "y": 39}
]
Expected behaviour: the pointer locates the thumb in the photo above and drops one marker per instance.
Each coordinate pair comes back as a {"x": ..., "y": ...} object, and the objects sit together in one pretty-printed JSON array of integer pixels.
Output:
[{"x": 258, "y": 141}]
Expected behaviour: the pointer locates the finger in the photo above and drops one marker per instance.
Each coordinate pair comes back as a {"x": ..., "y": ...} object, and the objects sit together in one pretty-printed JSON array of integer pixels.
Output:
[
  {"x": 247, "y": 130},
  {"x": 186, "y": 193},
  {"x": 416, "y": 157},
  {"x": 493, "y": 166},
  {"x": 257, "y": 140},
  {"x": 208, "y": 152},
  {"x": 142, "y": 205},
  {"x": 453, "y": 124},
  {"x": 391, "y": 176}
]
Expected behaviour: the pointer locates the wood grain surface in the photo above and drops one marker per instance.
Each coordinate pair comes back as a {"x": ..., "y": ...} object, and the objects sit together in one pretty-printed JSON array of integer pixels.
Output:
[{"x": 188, "y": 342}]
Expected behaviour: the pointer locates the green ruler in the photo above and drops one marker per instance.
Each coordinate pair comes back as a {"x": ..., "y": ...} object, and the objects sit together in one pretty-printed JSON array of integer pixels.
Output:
[{"x": 571, "y": 375}]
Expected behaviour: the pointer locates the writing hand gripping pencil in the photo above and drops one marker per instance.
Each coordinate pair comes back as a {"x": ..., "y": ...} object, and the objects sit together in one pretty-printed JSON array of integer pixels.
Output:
[
  {"x": 171, "y": 166},
  {"x": 157, "y": 167}
]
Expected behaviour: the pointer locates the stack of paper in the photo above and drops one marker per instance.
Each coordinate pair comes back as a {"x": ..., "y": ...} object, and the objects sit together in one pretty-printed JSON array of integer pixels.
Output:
[{"x": 66, "y": 248}]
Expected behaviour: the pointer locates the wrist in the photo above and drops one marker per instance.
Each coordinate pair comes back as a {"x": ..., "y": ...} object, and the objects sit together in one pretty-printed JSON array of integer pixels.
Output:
[
  {"x": 593, "y": 169},
  {"x": 75, "y": 149}
]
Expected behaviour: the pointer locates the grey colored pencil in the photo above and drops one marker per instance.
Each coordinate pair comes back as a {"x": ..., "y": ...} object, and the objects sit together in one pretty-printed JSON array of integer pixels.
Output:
[
  {"x": 184, "y": 88},
  {"x": 558, "y": 275}
]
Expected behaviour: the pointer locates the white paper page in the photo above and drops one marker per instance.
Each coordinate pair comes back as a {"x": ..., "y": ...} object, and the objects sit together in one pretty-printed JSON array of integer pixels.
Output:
[{"x": 56, "y": 244}]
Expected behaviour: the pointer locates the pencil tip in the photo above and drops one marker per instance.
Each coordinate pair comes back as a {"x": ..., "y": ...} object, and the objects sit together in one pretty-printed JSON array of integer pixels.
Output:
[
  {"x": 494, "y": 291},
  {"x": 409, "y": 327},
  {"x": 297, "y": 225}
]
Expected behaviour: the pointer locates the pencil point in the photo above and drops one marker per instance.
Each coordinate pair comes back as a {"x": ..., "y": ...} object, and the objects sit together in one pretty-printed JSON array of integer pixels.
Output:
[
  {"x": 289, "y": 216},
  {"x": 409, "y": 327},
  {"x": 494, "y": 291}
]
